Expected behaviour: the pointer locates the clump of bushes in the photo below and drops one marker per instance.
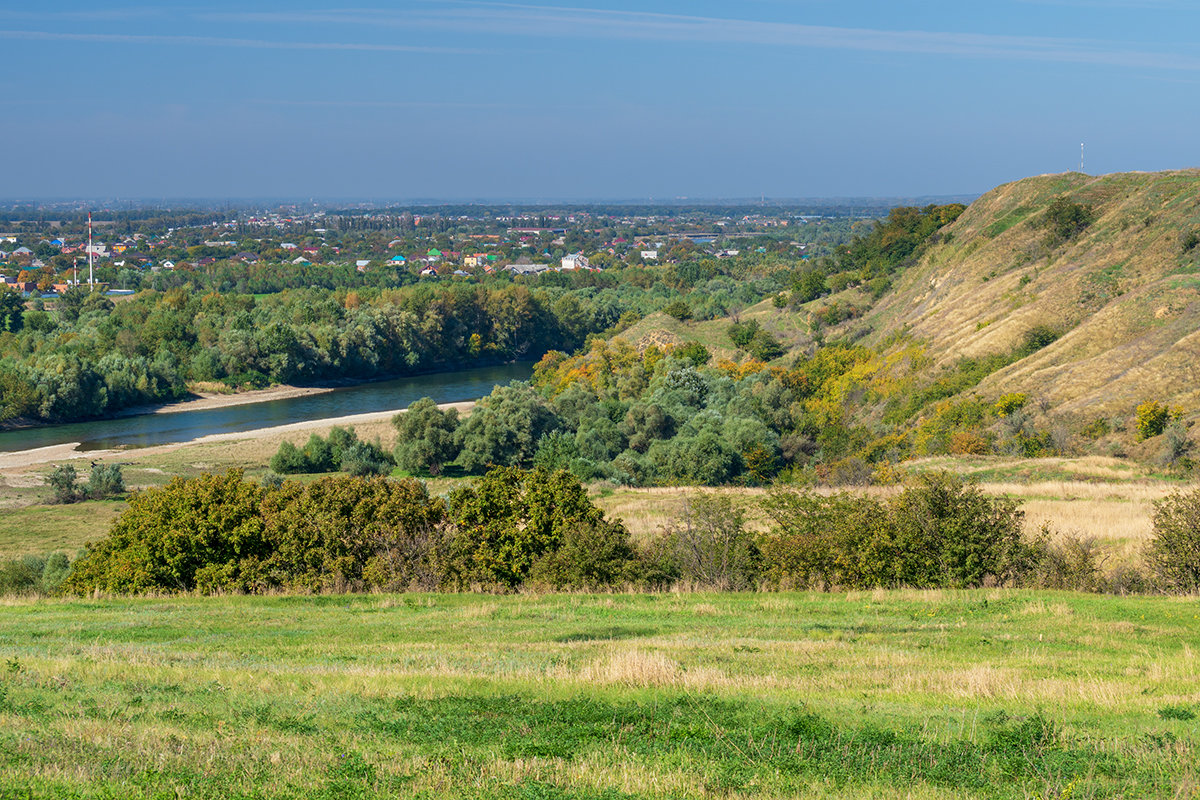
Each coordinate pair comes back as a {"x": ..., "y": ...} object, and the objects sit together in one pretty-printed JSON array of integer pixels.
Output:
[
  {"x": 515, "y": 528},
  {"x": 33, "y": 574},
  {"x": 341, "y": 451},
  {"x": 105, "y": 481},
  {"x": 346, "y": 533},
  {"x": 937, "y": 532},
  {"x": 759, "y": 343},
  {"x": 1065, "y": 219}
]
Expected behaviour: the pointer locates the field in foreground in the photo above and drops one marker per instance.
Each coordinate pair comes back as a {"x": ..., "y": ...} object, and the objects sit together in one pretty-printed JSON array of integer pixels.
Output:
[{"x": 983, "y": 693}]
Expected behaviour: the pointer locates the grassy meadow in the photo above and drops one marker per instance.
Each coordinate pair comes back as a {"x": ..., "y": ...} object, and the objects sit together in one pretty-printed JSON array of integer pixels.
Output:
[{"x": 984, "y": 693}]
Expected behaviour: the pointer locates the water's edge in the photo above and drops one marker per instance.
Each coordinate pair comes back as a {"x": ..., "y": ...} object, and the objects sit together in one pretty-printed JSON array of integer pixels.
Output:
[{"x": 150, "y": 429}]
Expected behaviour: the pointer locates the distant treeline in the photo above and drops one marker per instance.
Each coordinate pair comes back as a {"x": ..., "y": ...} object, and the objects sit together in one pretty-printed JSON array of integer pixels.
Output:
[
  {"x": 86, "y": 356},
  {"x": 91, "y": 357}
]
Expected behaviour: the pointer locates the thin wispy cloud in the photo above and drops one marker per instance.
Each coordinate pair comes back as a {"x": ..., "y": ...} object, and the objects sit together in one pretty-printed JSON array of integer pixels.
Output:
[
  {"x": 396, "y": 104},
  {"x": 218, "y": 41},
  {"x": 575, "y": 23},
  {"x": 84, "y": 15}
]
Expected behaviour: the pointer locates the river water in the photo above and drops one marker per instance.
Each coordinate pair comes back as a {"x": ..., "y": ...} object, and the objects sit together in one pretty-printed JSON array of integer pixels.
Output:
[{"x": 147, "y": 430}]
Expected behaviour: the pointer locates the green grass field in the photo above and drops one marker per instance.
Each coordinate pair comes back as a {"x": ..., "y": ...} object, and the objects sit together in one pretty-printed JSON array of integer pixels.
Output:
[{"x": 878, "y": 694}]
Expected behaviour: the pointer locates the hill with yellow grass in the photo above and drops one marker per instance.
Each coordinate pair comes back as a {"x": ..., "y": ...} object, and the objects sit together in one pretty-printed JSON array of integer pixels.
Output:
[{"x": 1122, "y": 292}]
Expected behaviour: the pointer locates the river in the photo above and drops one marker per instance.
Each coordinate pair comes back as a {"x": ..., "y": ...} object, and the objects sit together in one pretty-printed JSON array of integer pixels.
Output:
[{"x": 147, "y": 430}]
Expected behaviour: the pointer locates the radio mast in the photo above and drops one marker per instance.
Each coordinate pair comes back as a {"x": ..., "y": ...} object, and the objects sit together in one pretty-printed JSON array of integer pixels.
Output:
[{"x": 91, "y": 253}]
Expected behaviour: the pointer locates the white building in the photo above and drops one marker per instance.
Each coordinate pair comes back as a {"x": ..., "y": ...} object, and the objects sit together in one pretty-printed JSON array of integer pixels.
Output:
[{"x": 576, "y": 261}]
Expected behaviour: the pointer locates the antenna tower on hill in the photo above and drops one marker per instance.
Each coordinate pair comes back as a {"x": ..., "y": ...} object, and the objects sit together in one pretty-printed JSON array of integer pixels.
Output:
[{"x": 1081, "y": 156}]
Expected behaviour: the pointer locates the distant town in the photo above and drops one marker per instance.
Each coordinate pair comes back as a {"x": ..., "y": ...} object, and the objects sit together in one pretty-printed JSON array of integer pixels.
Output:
[{"x": 41, "y": 256}]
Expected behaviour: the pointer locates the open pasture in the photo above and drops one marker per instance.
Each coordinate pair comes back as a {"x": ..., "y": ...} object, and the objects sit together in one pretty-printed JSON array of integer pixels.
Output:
[{"x": 941, "y": 694}]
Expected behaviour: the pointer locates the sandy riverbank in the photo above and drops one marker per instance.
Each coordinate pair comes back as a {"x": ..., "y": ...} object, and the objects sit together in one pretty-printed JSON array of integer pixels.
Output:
[
  {"x": 202, "y": 401},
  {"x": 19, "y": 462}
]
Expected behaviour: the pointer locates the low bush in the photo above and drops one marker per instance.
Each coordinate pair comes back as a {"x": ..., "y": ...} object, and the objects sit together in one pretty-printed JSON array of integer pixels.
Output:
[
  {"x": 33, "y": 574},
  {"x": 64, "y": 480},
  {"x": 1173, "y": 554},
  {"x": 1152, "y": 419},
  {"x": 939, "y": 532},
  {"x": 708, "y": 545},
  {"x": 106, "y": 481},
  {"x": 511, "y": 520},
  {"x": 342, "y": 450},
  {"x": 1065, "y": 219}
]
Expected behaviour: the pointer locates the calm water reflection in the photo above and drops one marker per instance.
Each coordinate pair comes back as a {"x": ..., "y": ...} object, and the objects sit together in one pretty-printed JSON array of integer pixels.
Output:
[{"x": 152, "y": 429}]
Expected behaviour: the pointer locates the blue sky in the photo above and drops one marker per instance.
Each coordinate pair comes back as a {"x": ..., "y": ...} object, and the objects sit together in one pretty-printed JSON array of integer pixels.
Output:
[{"x": 616, "y": 100}]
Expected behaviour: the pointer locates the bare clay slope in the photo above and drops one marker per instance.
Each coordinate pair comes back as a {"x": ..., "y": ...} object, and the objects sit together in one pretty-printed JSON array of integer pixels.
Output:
[{"x": 1124, "y": 293}]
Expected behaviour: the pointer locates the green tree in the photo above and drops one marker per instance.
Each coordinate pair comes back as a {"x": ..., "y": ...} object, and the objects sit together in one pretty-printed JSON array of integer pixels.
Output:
[
  {"x": 12, "y": 310},
  {"x": 505, "y": 428},
  {"x": 426, "y": 438}
]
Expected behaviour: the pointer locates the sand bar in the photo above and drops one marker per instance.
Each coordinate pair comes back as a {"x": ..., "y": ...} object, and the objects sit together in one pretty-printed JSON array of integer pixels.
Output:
[{"x": 22, "y": 460}]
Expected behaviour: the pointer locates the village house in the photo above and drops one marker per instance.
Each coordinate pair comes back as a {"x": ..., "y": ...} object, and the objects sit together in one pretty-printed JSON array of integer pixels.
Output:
[{"x": 575, "y": 261}]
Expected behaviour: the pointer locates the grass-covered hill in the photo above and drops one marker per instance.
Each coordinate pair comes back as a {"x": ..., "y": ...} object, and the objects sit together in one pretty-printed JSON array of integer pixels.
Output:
[{"x": 1110, "y": 263}]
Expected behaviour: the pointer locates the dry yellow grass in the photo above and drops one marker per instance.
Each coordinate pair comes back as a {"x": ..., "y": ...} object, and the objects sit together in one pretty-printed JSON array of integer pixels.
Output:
[
  {"x": 1116, "y": 515},
  {"x": 1115, "y": 292}
]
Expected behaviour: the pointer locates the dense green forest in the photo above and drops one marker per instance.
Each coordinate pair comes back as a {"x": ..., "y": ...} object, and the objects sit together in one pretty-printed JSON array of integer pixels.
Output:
[{"x": 89, "y": 356}]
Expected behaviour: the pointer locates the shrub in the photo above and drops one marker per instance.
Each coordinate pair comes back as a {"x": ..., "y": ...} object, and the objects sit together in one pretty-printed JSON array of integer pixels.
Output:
[
  {"x": 1175, "y": 444},
  {"x": 1174, "y": 550},
  {"x": 813, "y": 539},
  {"x": 742, "y": 333},
  {"x": 342, "y": 450},
  {"x": 1072, "y": 563},
  {"x": 764, "y": 347},
  {"x": 167, "y": 535},
  {"x": 1152, "y": 419},
  {"x": 1009, "y": 403},
  {"x": 344, "y": 533},
  {"x": 365, "y": 458},
  {"x": 591, "y": 556},
  {"x": 105, "y": 481},
  {"x": 509, "y": 519},
  {"x": 694, "y": 352},
  {"x": 65, "y": 482},
  {"x": 1036, "y": 338},
  {"x": 1065, "y": 219},
  {"x": 18, "y": 576},
  {"x": 288, "y": 460},
  {"x": 709, "y": 546},
  {"x": 1190, "y": 241},
  {"x": 938, "y": 532},
  {"x": 678, "y": 309}
]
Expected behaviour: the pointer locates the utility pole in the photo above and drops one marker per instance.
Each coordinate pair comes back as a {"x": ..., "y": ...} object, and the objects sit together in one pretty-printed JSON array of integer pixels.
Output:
[
  {"x": 91, "y": 254},
  {"x": 1081, "y": 156}
]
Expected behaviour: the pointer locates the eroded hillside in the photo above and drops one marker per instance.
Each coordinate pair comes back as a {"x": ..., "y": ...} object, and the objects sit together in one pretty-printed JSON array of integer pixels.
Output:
[{"x": 1123, "y": 292}]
